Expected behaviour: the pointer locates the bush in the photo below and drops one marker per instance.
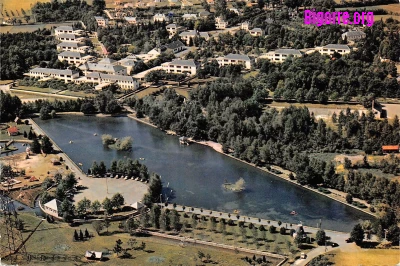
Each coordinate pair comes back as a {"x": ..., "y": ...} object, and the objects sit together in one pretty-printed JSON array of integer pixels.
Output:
[{"x": 282, "y": 230}]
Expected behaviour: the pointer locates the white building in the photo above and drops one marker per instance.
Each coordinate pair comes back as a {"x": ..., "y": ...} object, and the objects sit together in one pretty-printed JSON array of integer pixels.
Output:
[
  {"x": 53, "y": 207},
  {"x": 106, "y": 65},
  {"x": 69, "y": 37},
  {"x": 104, "y": 80},
  {"x": 72, "y": 46},
  {"x": 245, "y": 25},
  {"x": 353, "y": 35},
  {"x": 63, "y": 30},
  {"x": 160, "y": 17},
  {"x": 256, "y": 32},
  {"x": 189, "y": 16},
  {"x": 180, "y": 67},
  {"x": 101, "y": 21},
  {"x": 131, "y": 20},
  {"x": 48, "y": 73},
  {"x": 174, "y": 29},
  {"x": 235, "y": 59},
  {"x": 220, "y": 23},
  {"x": 332, "y": 48},
  {"x": 129, "y": 62},
  {"x": 74, "y": 57},
  {"x": 191, "y": 34},
  {"x": 280, "y": 55}
]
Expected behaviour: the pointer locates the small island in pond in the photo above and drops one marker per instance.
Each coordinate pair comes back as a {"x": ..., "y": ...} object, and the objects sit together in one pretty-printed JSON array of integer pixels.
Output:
[
  {"x": 238, "y": 186},
  {"x": 124, "y": 144}
]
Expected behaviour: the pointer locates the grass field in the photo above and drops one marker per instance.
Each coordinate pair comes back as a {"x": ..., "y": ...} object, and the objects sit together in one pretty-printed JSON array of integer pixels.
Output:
[
  {"x": 57, "y": 239},
  {"x": 146, "y": 92},
  {"x": 365, "y": 257},
  {"x": 36, "y": 89},
  {"x": 30, "y": 28}
]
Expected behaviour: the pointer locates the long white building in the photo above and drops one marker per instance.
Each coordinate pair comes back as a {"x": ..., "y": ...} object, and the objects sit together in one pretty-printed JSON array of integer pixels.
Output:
[
  {"x": 103, "y": 80},
  {"x": 180, "y": 67},
  {"x": 63, "y": 74},
  {"x": 235, "y": 59},
  {"x": 74, "y": 57},
  {"x": 332, "y": 48},
  {"x": 280, "y": 55}
]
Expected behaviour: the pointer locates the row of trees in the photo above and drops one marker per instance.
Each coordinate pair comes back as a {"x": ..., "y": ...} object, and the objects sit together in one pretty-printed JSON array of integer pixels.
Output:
[{"x": 127, "y": 167}]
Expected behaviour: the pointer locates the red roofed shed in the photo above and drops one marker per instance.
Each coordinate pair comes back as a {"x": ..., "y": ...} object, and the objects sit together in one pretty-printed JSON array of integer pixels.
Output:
[
  {"x": 12, "y": 131},
  {"x": 390, "y": 148}
]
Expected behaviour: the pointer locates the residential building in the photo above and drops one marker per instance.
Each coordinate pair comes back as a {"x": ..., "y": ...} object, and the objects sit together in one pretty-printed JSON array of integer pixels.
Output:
[
  {"x": 245, "y": 26},
  {"x": 280, "y": 55},
  {"x": 101, "y": 21},
  {"x": 332, "y": 48},
  {"x": 74, "y": 57},
  {"x": 67, "y": 37},
  {"x": 53, "y": 207},
  {"x": 235, "y": 59},
  {"x": 256, "y": 32},
  {"x": 235, "y": 10},
  {"x": 72, "y": 46},
  {"x": 94, "y": 255},
  {"x": 180, "y": 66},
  {"x": 187, "y": 35},
  {"x": 175, "y": 47},
  {"x": 174, "y": 29},
  {"x": 67, "y": 75},
  {"x": 63, "y": 30},
  {"x": 131, "y": 20},
  {"x": 220, "y": 23},
  {"x": 189, "y": 16},
  {"x": 103, "y": 80},
  {"x": 106, "y": 65},
  {"x": 353, "y": 35},
  {"x": 129, "y": 62},
  {"x": 204, "y": 14},
  {"x": 160, "y": 17}
]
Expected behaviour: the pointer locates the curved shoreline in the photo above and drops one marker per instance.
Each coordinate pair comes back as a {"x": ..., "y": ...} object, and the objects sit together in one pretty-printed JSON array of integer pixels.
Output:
[{"x": 217, "y": 147}]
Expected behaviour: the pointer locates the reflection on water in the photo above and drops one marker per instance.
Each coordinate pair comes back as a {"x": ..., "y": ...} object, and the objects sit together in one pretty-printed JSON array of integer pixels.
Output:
[{"x": 196, "y": 173}]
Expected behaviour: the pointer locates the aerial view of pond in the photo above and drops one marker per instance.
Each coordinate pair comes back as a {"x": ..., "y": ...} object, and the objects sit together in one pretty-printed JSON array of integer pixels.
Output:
[{"x": 196, "y": 173}]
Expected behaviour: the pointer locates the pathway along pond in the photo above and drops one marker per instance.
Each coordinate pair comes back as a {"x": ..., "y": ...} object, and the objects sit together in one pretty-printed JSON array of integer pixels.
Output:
[{"x": 196, "y": 173}]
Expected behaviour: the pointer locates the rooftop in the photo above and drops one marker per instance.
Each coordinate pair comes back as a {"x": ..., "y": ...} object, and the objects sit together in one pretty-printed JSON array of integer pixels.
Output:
[
  {"x": 354, "y": 33},
  {"x": 64, "y": 28},
  {"x": 174, "y": 45},
  {"x": 237, "y": 57},
  {"x": 257, "y": 30},
  {"x": 71, "y": 54},
  {"x": 53, "y": 204},
  {"x": 49, "y": 71},
  {"x": 188, "y": 33},
  {"x": 337, "y": 46},
  {"x": 111, "y": 77},
  {"x": 190, "y": 62},
  {"x": 288, "y": 51},
  {"x": 67, "y": 35},
  {"x": 68, "y": 44}
]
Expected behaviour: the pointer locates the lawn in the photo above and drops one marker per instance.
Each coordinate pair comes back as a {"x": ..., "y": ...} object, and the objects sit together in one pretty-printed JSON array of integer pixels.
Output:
[
  {"x": 81, "y": 94},
  {"x": 183, "y": 92},
  {"x": 36, "y": 89},
  {"x": 21, "y": 128},
  {"x": 147, "y": 91},
  {"x": 250, "y": 74},
  {"x": 58, "y": 239},
  {"x": 360, "y": 256},
  {"x": 30, "y": 28},
  {"x": 4, "y": 82}
]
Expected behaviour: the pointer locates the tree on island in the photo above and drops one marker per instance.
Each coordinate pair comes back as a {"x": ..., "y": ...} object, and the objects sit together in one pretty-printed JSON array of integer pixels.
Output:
[
  {"x": 357, "y": 234},
  {"x": 320, "y": 237}
]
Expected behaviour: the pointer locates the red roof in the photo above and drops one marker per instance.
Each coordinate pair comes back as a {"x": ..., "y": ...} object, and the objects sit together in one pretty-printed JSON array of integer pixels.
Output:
[
  {"x": 390, "y": 147},
  {"x": 12, "y": 130}
]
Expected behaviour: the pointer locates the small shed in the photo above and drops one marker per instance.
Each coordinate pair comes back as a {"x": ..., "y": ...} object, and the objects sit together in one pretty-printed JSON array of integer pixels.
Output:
[
  {"x": 94, "y": 255},
  {"x": 12, "y": 131},
  {"x": 53, "y": 207},
  {"x": 33, "y": 179},
  {"x": 137, "y": 205}
]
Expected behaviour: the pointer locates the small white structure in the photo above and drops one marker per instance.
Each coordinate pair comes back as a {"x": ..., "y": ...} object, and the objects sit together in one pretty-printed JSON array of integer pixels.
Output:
[
  {"x": 180, "y": 67},
  {"x": 137, "y": 205},
  {"x": 245, "y": 26},
  {"x": 160, "y": 17},
  {"x": 189, "y": 16},
  {"x": 235, "y": 59},
  {"x": 131, "y": 20},
  {"x": 256, "y": 32},
  {"x": 280, "y": 55},
  {"x": 53, "y": 207},
  {"x": 353, "y": 35},
  {"x": 104, "y": 80},
  {"x": 174, "y": 29},
  {"x": 101, "y": 21},
  {"x": 220, "y": 23},
  {"x": 332, "y": 48},
  {"x": 63, "y": 74},
  {"x": 94, "y": 255}
]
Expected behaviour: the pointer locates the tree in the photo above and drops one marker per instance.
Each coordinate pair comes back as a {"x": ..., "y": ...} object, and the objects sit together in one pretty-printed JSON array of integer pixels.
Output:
[
  {"x": 83, "y": 206},
  {"x": 347, "y": 163},
  {"x": 357, "y": 234},
  {"x": 107, "y": 205},
  {"x": 106, "y": 223},
  {"x": 96, "y": 205},
  {"x": 88, "y": 108},
  {"x": 349, "y": 198},
  {"x": 80, "y": 235},
  {"x": 155, "y": 216},
  {"x": 46, "y": 145},
  {"x": 87, "y": 233},
  {"x": 220, "y": 8},
  {"x": 97, "y": 226},
  {"x": 261, "y": 4},
  {"x": 45, "y": 112},
  {"x": 272, "y": 229},
  {"x": 99, "y": 6},
  {"x": 35, "y": 146},
  {"x": 76, "y": 237},
  {"x": 107, "y": 139},
  {"x": 282, "y": 230},
  {"x": 118, "y": 246},
  {"x": 320, "y": 237},
  {"x": 117, "y": 200}
]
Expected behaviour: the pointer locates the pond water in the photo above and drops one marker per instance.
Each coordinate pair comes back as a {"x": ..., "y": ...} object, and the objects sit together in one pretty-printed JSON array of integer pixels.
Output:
[{"x": 196, "y": 173}]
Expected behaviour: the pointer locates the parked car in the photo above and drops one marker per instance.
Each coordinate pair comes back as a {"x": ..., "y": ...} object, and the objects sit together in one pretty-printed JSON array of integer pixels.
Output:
[{"x": 303, "y": 255}]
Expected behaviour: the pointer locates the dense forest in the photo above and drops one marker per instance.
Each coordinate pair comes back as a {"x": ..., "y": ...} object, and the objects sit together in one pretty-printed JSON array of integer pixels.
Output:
[{"x": 20, "y": 51}]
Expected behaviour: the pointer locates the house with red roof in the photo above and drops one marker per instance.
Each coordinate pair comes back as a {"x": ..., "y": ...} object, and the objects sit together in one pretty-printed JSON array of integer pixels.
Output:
[
  {"x": 390, "y": 148},
  {"x": 12, "y": 131}
]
